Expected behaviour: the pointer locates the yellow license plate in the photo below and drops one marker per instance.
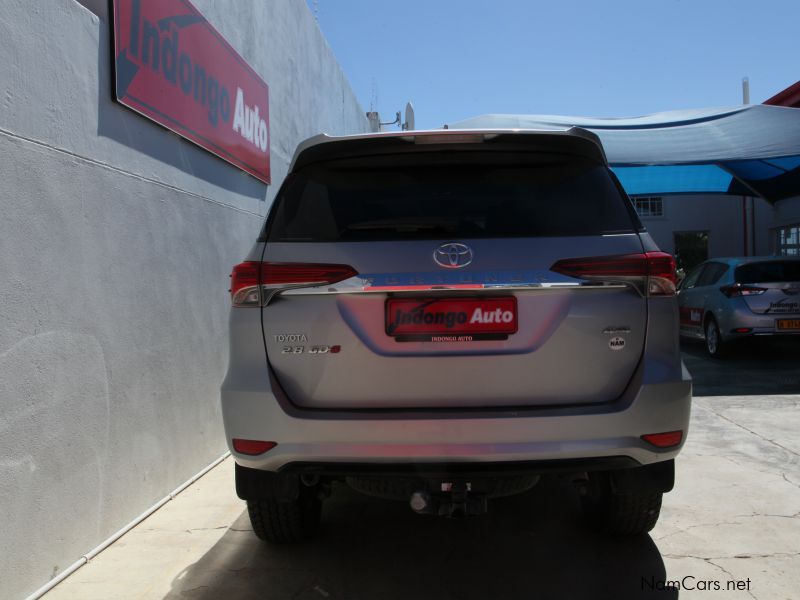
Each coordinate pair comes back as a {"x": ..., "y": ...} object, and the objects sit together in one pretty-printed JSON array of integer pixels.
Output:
[{"x": 788, "y": 324}]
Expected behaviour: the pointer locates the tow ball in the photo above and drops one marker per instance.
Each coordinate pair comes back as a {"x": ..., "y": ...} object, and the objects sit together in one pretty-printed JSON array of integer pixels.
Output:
[{"x": 453, "y": 499}]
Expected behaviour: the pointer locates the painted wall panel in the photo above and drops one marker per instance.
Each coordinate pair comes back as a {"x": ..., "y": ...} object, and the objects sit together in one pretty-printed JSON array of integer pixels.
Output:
[
  {"x": 720, "y": 215},
  {"x": 116, "y": 242}
]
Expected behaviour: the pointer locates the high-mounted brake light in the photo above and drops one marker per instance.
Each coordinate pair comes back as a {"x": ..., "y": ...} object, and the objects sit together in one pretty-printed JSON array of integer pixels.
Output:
[
  {"x": 737, "y": 289},
  {"x": 657, "y": 267},
  {"x": 245, "y": 278},
  {"x": 451, "y": 138}
]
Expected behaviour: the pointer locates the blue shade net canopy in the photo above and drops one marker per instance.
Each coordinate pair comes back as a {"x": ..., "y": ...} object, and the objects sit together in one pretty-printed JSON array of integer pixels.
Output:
[{"x": 743, "y": 150}]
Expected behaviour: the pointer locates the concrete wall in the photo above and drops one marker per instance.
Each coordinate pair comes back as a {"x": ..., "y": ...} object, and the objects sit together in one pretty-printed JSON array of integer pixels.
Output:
[
  {"x": 116, "y": 241},
  {"x": 720, "y": 215}
]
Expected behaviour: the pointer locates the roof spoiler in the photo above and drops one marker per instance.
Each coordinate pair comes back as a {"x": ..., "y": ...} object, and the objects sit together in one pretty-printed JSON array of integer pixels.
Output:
[{"x": 572, "y": 140}]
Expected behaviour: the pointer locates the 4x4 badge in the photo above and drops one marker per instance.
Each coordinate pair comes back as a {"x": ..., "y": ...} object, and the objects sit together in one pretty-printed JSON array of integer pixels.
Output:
[{"x": 453, "y": 255}]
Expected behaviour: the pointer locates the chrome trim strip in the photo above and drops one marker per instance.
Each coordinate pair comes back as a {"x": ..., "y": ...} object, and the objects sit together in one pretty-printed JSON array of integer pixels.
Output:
[
  {"x": 439, "y": 288},
  {"x": 364, "y": 285}
]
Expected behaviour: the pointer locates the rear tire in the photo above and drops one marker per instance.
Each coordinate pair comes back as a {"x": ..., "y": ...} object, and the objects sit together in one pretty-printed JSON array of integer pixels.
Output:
[
  {"x": 618, "y": 512},
  {"x": 286, "y": 522},
  {"x": 714, "y": 344}
]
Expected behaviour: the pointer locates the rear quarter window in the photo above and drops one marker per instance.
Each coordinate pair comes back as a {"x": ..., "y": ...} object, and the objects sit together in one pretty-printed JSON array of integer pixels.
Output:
[
  {"x": 691, "y": 280},
  {"x": 712, "y": 274},
  {"x": 450, "y": 195}
]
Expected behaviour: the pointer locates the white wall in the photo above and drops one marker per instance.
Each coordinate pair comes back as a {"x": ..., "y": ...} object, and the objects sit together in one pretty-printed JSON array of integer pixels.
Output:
[
  {"x": 116, "y": 242},
  {"x": 720, "y": 215}
]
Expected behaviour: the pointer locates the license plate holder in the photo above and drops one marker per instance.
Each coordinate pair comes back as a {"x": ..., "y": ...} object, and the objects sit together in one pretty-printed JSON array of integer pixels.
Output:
[
  {"x": 787, "y": 325},
  {"x": 451, "y": 319}
]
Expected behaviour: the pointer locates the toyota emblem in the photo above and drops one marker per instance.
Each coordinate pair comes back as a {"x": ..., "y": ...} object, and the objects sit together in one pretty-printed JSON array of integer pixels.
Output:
[{"x": 453, "y": 255}]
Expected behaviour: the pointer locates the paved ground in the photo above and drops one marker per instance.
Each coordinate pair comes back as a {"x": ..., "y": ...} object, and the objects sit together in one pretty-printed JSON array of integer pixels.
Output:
[
  {"x": 753, "y": 367},
  {"x": 733, "y": 516}
]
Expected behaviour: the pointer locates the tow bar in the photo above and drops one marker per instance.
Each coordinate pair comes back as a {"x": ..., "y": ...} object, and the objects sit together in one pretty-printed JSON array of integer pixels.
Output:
[{"x": 455, "y": 499}]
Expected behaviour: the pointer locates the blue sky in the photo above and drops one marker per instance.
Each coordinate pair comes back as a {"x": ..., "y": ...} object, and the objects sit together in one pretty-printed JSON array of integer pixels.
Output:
[{"x": 456, "y": 59}]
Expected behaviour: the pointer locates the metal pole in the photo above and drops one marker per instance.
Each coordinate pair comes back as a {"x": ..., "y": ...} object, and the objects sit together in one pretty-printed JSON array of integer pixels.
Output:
[
  {"x": 745, "y": 100},
  {"x": 744, "y": 226}
]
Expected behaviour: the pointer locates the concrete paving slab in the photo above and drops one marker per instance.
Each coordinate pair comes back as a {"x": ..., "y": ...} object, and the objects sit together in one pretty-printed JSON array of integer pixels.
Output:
[
  {"x": 734, "y": 512},
  {"x": 733, "y": 517}
]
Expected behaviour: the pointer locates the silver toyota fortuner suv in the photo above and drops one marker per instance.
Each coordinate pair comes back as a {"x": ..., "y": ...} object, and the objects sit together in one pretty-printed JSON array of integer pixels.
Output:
[{"x": 443, "y": 317}]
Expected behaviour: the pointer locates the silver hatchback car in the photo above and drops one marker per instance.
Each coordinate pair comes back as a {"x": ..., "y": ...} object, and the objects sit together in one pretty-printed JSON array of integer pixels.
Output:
[
  {"x": 728, "y": 299},
  {"x": 443, "y": 317}
]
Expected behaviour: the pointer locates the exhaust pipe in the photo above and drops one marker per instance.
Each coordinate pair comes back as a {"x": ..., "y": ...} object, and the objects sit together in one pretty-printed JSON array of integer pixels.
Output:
[{"x": 309, "y": 479}]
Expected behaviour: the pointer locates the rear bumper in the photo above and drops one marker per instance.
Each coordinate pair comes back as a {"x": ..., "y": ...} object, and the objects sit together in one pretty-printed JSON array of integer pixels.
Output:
[
  {"x": 413, "y": 439},
  {"x": 738, "y": 315},
  {"x": 436, "y": 470},
  {"x": 758, "y": 324},
  {"x": 257, "y": 484}
]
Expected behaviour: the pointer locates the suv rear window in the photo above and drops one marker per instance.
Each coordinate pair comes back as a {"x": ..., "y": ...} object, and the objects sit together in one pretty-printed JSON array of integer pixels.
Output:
[
  {"x": 777, "y": 271},
  {"x": 450, "y": 195}
]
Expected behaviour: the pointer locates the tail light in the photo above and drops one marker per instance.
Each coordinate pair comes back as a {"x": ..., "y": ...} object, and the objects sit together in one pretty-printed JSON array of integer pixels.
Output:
[
  {"x": 246, "y": 277},
  {"x": 737, "y": 289},
  {"x": 244, "y": 284},
  {"x": 657, "y": 267}
]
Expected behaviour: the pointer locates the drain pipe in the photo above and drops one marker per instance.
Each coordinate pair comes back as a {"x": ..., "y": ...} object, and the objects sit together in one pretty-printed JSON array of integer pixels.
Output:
[{"x": 114, "y": 537}]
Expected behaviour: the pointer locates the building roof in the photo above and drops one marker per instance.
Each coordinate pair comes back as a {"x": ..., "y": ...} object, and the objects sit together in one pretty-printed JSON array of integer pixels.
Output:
[{"x": 749, "y": 150}]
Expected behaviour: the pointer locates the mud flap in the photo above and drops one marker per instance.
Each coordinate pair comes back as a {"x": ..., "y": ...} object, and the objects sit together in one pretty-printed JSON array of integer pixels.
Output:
[
  {"x": 255, "y": 484},
  {"x": 655, "y": 478}
]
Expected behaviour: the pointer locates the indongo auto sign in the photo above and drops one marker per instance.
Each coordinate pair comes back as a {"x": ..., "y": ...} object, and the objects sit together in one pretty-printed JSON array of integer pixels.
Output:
[{"x": 173, "y": 67}]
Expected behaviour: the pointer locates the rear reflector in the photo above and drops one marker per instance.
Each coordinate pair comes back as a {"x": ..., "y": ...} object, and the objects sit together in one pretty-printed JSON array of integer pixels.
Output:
[
  {"x": 737, "y": 289},
  {"x": 252, "y": 447},
  {"x": 743, "y": 330},
  {"x": 664, "y": 440},
  {"x": 657, "y": 267},
  {"x": 245, "y": 278}
]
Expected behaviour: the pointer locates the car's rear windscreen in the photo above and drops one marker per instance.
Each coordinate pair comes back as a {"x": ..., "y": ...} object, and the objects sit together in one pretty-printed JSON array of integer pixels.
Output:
[
  {"x": 450, "y": 195},
  {"x": 774, "y": 271}
]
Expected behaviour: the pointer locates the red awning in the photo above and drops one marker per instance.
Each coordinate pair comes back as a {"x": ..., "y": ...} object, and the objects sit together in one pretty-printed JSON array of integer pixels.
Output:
[{"x": 788, "y": 97}]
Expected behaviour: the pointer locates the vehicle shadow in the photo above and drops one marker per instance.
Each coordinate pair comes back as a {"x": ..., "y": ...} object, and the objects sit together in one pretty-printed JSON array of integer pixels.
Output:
[
  {"x": 750, "y": 367},
  {"x": 529, "y": 546}
]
